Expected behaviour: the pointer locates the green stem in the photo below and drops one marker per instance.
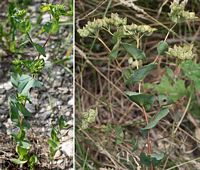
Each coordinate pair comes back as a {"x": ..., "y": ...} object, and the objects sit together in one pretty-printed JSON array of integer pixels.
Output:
[
  {"x": 30, "y": 38},
  {"x": 169, "y": 31}
]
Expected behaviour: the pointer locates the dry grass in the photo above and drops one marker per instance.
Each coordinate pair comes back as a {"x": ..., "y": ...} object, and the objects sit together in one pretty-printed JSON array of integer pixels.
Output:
[{"x": 99, "y": 83}]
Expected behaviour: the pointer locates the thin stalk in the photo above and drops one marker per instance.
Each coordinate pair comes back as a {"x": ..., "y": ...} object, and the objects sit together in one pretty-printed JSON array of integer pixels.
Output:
[
  {"x": 186, "y": 109},
  {"x": 138, "y": 46},
  {"x": 169, "y": 32}
]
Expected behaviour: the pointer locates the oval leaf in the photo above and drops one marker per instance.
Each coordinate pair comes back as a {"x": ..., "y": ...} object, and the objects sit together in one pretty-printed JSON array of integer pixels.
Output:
[
  {"x": 145, "y": 100},
  {"x": 139, "y": 74},
  {"x": 162, "y": 47},
  {"x": 18, "y": 162}
]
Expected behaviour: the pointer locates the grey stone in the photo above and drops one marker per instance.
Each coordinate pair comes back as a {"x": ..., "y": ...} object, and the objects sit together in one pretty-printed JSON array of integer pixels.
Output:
[
  {"x": 2, "y": 99},
  {"x": 71, "y": 102},
  {"x": 59, "y": 162},
  {"x": 57, "y": 154},
  {"x": 1, "y": 73},
  {"x": 2, "y": 90},
  {"x": 45, "y": 115},
  {"x": 67, "y": 148},
  {"x": 30, "y": 108},
  {"x": 3, "y": 110},
  {"x": 8, "y": 85},
  {"x": 57, "y": 82}
]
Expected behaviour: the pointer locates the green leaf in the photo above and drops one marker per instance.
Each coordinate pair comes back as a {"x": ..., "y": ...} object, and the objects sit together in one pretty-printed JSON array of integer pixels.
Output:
[
  {"x": 191, "y": 70},
  {"x": 23, "y": 81},
  {"x": 25, "y": 144},
  {"x": 18, "y": 161},
  {"x": 40, "y": 49},
  {"x": 145, "y": 100},
  {"x": 51, "y": 27},
  {"x": 21, "y": 135},
  {"x": 45, "y": 8},
  {"x": 174, "y": 90},
  {"x": 136, "y": 53},
  {"x": 139, "y": 74},
  {"x": 12, "y": 46},
  {"x": 27, "y": 82},
  {"x": 52, "y": 144},
  {"x": 54, "y": 135},
  {"x": 156, "y": 119},
  {"x": 54, "y": 27},
  {"x": 15, "y": 79},
  {"x": 163, "y": 100},
  {"x": 57, "y": 10},
  {"x": 32, "y": 83},
  {"x": 23, "y": 110},
  {"x": 153, "y": 159},
  {"x": 62, "y": 123},
  {"x": 162, "y": 47},
  {"x": 22, "y": 152},
  {"x": 14, "y": 112},
  {"x": 25, "y": 26},
  {"x": 170, "y": 73},
  {"x": 145, "y": 159},
  {"x": 33, "y": 161},
  {"x": 24, "y": 124},
  {"x": 47, "y": 27},
  {"x": 115, "y": 50}
]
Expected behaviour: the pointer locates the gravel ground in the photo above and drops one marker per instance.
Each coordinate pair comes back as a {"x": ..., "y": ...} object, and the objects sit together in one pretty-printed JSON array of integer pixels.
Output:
[
  {"x": 54, "y": 99},
  {"x": 50, "y": 102}
]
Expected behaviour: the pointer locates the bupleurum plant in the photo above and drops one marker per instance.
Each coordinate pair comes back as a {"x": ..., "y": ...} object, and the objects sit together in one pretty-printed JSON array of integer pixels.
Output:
[
  {"x": 171, "y": 88},
  {"x": 24, "y": 73}
]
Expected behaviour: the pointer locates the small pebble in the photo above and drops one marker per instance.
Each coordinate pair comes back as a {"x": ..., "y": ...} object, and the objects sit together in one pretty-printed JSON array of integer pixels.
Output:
[
  {"x": 57, "y": 154},
  {"x": 67, "y": 148}
]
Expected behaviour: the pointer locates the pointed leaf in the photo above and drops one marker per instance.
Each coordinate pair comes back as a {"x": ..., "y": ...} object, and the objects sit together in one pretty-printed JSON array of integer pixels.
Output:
[
  {"x": 139, "y": 74},
  {"x": 162, "y": 47},
  {"x": 40, "y": 49},
  {"x": 33, "y": 160},
  {"x": 115, "y": 50},
  {"x": 136, "y": 53},
  {"x": 62, "y": 123},
  {"x": 18, "y": 162},
  {"x": 145, "y": 100},
  {"x": 54, "y": 135},
  {"x": 156, "y": 119}
]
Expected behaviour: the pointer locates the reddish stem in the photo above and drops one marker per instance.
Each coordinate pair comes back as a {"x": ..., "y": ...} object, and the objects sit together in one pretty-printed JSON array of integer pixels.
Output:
[{"x": 149, "y": 146}]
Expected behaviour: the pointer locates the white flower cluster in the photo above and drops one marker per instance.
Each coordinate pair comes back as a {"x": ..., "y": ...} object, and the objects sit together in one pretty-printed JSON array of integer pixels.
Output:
[
  {"x": 120, "y": 24},
  {"x": 178, "y": 13},
  {"x": 88, "y": 118},
  {"x": 134, "y": 29},
  {"x": 182, "y": 52},
  {"x": 97, "y": 24}
]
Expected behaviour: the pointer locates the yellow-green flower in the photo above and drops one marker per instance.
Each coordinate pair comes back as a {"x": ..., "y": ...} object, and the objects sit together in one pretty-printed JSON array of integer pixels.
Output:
[
  {"x": 88, "y": 118},
  {"x": 178, "y": 13},
  {"x": 182, "y": 52},
  {"x": 92, "y": 27},
  {"x": 134, "y": 29}
]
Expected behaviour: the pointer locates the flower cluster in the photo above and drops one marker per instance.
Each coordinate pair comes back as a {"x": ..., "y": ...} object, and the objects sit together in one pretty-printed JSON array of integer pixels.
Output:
[
  {"x": 182, "y": 52},
  {"x": 134, "y": 29},
  {"x": 88, "y": 118},
  {"x": 178, "y": 13},
  {"x": 97, "y": 24},
  {"x": 119, "y": 23}
]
